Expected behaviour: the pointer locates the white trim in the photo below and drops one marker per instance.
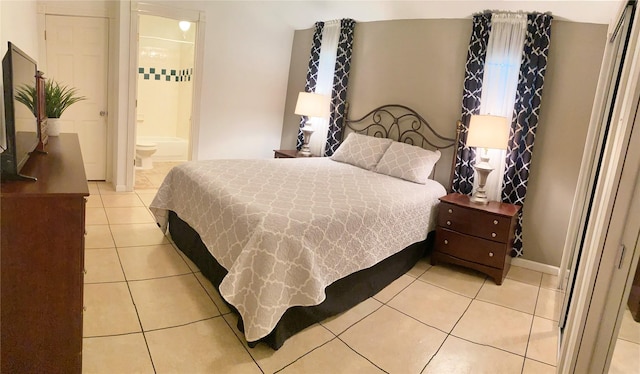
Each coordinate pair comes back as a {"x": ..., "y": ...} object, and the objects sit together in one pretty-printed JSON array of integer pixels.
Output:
[
  {"x": 82, "y": 9},
  {"x": 112, "y": 100},
  {"x": 121, "y": 107},
  {"x": 133, "y": 95},
  {"x": 536, "y": 266},
  {"x": 198, "y": 72}
]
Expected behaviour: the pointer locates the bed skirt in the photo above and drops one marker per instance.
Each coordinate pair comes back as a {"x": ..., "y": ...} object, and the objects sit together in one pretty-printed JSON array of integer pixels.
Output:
[{"x": 342, "y": 295}]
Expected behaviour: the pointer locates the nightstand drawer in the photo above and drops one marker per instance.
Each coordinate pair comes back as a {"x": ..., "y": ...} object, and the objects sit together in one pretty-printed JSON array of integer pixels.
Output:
[
  {"x": 470, "y": 248},
  {"x": 474, "y": 222}
]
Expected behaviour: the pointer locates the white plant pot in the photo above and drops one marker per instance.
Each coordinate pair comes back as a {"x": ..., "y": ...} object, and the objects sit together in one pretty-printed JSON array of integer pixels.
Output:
[{"x": 53, "y": 126}]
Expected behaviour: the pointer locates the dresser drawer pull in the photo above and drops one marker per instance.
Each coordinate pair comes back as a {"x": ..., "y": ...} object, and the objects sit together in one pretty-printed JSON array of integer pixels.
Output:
[
  {"x": 446, "y": 241},
  {"x": 495, "y": 221},
  {"x": 490, "y": 254},
  {"x": 448, "y": 223},
  {"x": 450, "y": 210},
  {"x": 493, "y": 235}
]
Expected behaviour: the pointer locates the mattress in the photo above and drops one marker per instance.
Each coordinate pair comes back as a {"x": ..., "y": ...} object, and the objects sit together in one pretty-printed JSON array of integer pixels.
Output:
[{"x": 285, "y": 229}]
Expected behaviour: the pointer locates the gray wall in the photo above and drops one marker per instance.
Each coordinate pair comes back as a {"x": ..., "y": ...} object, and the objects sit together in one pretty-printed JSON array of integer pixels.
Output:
[{"x": 420, "y": 63}]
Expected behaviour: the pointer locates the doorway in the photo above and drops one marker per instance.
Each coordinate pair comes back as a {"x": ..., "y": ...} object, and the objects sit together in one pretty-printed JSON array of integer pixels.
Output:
[
  {"x": 77, "y": 56},
  {"x": 166, "y": 56}
]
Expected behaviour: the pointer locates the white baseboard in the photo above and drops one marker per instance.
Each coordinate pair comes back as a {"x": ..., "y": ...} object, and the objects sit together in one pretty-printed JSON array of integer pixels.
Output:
[
  {"x": 121, "y": 188},
  {"x": 532, "y": 265}
]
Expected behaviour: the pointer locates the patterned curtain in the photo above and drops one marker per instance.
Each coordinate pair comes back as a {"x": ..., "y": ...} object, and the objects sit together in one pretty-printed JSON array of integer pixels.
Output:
[
  {"x": 312, "y": 73},
  {"x": 474, "y": 71},
  {"x": 525, "y": 116},
  {"x": 340, "y": 81}
]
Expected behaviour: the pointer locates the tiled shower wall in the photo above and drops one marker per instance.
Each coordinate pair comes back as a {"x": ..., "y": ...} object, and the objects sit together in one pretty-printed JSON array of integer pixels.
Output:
[{"x": 164, "y": 78}]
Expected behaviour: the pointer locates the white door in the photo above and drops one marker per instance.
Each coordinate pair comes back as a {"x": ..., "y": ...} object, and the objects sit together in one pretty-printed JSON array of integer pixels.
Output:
[{"x": 77, "y": 53}]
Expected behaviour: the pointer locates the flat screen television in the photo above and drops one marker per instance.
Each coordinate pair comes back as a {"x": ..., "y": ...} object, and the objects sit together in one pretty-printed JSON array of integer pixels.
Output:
[{"x": 21, "y": 126}]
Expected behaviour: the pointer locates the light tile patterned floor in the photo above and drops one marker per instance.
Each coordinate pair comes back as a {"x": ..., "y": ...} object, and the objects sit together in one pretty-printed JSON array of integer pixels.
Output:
[{"x": 150, "y": 310}]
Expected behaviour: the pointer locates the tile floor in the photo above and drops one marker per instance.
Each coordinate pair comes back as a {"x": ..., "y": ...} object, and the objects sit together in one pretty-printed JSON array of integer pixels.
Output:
[{"x": 149, "y": 310}]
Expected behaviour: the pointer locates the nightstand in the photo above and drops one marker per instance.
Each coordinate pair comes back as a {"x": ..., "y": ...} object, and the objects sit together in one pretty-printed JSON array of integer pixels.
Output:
[
  {"x": 285, "y": 153},
  {"x": 476, "y": 236}
]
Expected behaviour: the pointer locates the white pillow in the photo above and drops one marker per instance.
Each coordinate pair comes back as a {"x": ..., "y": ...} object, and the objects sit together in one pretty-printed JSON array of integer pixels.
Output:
[
  {"x": 408, "y": 162},
  {"x": 361, "y": 150}
]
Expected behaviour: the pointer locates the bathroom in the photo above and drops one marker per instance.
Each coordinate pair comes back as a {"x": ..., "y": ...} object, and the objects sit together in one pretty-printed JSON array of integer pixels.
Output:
[{"x": 164, "y": 96}]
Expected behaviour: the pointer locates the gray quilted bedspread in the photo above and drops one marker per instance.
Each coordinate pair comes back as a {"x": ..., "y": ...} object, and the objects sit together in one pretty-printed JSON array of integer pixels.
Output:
[{"x": 285, "y": 229}]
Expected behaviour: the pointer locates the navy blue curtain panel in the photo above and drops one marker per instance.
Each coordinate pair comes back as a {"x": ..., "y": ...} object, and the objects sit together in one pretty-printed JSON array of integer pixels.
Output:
[
  {"x": 340, "y": 83},
  {"x": 474, "y": 71},
  {"x": 312, "y": 73},
  {"x": 525, "y": 115}
]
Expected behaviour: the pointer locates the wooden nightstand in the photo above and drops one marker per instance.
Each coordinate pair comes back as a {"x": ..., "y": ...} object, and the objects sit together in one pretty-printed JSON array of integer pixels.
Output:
[
  {"x": 286, "y": 153},
  {"x": 476, "y": 236}
]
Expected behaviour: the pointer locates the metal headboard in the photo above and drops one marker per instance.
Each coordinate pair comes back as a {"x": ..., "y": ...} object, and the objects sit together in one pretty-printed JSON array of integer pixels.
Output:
[{"x": 400, "y": 123}]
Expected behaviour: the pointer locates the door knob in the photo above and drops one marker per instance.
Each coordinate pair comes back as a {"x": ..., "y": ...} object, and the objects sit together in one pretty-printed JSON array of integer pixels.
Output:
[{"x": 103, "y": 113}]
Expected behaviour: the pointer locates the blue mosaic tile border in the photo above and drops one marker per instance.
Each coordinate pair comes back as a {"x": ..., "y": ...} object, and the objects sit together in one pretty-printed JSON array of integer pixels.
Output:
[{"x": 168, "y": 75}]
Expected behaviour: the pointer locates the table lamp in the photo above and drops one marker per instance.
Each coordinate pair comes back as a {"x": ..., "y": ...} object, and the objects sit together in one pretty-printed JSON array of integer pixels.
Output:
[
  {"x": 486, "y": 131},
  {"x": 312, "y": 105}
]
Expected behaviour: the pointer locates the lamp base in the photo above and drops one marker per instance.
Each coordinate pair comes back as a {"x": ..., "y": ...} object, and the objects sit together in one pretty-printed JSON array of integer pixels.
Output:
[
  {"x": 483, "y": 168},
  {"x": 306, "y": 135},
  {"x": 479, "y": 197}
]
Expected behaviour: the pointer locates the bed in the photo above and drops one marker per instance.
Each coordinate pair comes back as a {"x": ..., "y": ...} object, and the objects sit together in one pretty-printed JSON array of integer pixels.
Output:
[{"x": 290, "y": 242}]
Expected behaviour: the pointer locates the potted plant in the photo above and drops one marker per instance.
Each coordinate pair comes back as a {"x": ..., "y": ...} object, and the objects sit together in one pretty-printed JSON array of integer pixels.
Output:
[{"x": 57, "y": 99}]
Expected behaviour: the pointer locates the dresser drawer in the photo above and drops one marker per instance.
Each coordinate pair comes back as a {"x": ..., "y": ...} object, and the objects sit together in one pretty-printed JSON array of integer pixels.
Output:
[
  {"x": 474, "y": 222},
  {"x": 470, "y": 248}
]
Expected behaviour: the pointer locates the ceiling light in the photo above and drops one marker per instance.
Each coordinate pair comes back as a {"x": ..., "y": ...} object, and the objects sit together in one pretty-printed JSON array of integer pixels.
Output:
[{"x": 184, "y": 25}]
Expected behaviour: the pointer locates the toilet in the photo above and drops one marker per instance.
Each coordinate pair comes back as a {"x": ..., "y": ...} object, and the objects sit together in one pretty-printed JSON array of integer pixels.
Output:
[{"x": 144, "y": 151}]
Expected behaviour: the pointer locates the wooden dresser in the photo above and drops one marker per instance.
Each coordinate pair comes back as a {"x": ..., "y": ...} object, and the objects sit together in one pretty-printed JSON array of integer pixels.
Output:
[
  {"x": 476, "y": 236},
  {"x": 42, "y": 262}
]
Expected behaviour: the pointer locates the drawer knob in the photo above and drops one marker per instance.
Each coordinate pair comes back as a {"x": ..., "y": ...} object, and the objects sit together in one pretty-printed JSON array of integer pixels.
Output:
[
  {"x": 495, "y": 221},
  {"x": 446, "y": 241},
  {"x": 448, "y": 223},
  {"x": 450, "y": 210},
  {"x": 490, "y": 254},
  {"x": 493, "y": 234}
]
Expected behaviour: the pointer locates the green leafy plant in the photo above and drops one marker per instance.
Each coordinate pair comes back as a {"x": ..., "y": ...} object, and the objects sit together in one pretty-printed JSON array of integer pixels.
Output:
[
  {"x": 27, "y": 95},
  {"x": 57, "y": 98}
]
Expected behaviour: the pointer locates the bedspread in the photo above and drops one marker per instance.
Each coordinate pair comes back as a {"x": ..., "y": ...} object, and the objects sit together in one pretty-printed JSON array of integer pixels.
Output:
[{"x": 285, "y": 229}]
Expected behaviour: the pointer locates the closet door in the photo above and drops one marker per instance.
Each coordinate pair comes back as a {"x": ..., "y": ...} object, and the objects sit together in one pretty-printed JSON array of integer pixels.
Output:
[
  {"x": 77, "y": 56},
  {"x": 597, "y": 286}
]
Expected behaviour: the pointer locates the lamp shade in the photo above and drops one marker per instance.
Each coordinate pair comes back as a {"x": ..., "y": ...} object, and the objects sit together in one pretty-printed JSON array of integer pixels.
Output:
[
  {"x": 312, "y": 105},
  {"x": 486, "y": 131}
]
